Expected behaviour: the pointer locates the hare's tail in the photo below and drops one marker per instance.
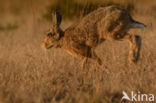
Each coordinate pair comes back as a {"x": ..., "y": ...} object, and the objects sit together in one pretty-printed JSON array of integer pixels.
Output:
[{"x": 136, "y": 24}]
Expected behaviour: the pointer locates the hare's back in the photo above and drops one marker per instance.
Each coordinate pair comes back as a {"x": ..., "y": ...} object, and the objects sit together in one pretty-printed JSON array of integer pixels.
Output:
[
  {"x": 109, "y": 16},
  {"x": 103, "y": 21},
  {"x": 116, "y": 21}
]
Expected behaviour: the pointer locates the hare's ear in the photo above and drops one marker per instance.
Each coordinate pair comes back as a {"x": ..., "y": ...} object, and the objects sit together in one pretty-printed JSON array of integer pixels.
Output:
[{"x": 56, "y": 18}]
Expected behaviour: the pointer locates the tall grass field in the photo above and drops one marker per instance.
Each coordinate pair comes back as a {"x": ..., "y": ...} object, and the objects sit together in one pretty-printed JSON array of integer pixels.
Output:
[{"x": 28, "y": 74}]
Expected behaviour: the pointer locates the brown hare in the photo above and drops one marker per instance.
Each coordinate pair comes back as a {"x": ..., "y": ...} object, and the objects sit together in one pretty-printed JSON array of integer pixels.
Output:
[{"x": 105, "y": 23}]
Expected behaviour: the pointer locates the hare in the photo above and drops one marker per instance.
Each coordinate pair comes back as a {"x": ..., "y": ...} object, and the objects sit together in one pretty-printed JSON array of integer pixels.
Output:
[{"x": 81, "y": 38}]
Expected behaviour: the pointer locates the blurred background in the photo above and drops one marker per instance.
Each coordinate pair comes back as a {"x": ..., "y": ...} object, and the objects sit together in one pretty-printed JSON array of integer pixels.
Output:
[{"x": 28, "y": 74}]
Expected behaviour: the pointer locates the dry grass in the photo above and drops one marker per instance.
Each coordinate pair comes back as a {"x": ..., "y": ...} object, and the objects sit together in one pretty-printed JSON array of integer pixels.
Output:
[{"x": 28, "y": 74}]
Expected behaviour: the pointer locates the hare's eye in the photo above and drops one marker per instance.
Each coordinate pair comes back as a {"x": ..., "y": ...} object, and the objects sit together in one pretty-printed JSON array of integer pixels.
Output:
[{"x": 49, "y": 34}]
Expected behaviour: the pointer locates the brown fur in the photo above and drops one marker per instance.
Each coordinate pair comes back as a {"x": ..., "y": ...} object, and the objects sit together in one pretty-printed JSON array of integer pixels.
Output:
[{"x": 105, "y": 23}]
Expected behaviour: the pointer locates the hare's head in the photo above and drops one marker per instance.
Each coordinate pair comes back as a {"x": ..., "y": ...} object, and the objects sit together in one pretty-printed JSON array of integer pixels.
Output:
[{"x": 52, "y": 37}]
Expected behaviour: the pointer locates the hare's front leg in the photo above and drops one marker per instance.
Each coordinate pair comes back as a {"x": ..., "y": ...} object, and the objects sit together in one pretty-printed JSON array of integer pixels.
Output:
[
  {"x": 135, "y": 45},
  {"x": 95, "y": 58},
  {"x": 98, "y": 61},
  {"x": 90, "y": 55}
]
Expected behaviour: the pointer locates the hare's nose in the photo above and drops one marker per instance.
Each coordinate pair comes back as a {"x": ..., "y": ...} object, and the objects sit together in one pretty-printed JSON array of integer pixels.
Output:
[{"x": 44, "y": 45}]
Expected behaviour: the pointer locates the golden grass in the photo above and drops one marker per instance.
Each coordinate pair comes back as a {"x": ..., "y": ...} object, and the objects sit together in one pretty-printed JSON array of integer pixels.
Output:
[{"x": 28, "y": 74}]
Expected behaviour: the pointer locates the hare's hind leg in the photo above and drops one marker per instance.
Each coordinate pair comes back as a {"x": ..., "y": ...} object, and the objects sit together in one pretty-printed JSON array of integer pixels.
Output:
[{"x": 135, "y": 45}]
